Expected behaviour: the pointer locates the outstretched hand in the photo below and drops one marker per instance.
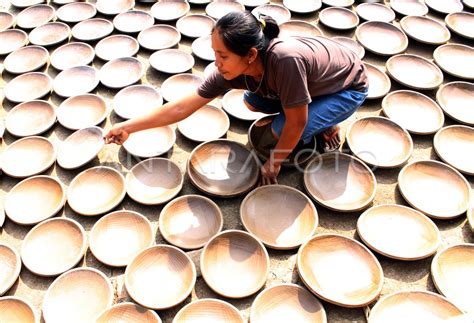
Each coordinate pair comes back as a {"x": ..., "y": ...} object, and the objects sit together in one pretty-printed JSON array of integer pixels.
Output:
[
  {"x": 116, "y": 135},
  {"x": 269, "y": 172}
]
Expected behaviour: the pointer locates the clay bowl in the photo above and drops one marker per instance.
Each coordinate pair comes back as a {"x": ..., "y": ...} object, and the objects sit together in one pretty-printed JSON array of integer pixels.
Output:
[
  {"x": 410, "y": 7},
  {"x": 379, "y": 142},
  {"x": 451, "y": 271},
  {"x": 209, "y": 310},
  {"x": 299, "y": 28},
  {"x": 116, "y": 46},
  {"x": 253, "y": 3},
  {"x": 121, "y": 72},
  {"x": 96, "y": 190},
  {"x": 425, "y": 30},
  {"x": 351, "y": 44},
  {"x": 179, "y": 86},
  {"x": 76, "y": 81},
  {"x": 7, "y": 20},
  {"x": 381, "y": 226},
  {"x": 278, "y": 12},
  {"x": 295, "y": 221},
  {"x": 234, "y": 264},
  {"x": 108, "y": 7},
  {"x": 150, "y": 142},
  {"x": 170, "y": 10},
  {"x": 210, "y": 68},
  {"x": 128, "y": 313},
  {"x": 287, "y": 302},
  {"x": 419, "y": 306},
  {"x": 11, "y": 40},
  {"x": 172, "y": 61},
  {"x": 352, "y": 187},
  {"x": 338, "y": 3},
  {"x": 407, "y": 108},
  {"x": 428, "y": 76},
  {"x": 133, "y": 21},
  {"x": 10, "y": 263},
  {"x": 302, "y": 7},
  {"x": 88, "y": 285},
  {"x": 470, "y": 215},
  {"x": 53, "y": 247},
  {"x": 375, "y": 12},
  {"x": 456, "y": 59},
  {"x": 72, "y": 55},
  {"x": 119, "y": 236},
  {"x": 154, "y": 181},
  {"x": 381, "y": 38},
  {"x": 136, "y": 100},
  {"x": 223, "y": 168},
  {"x": 26, "y": 59},
  {"x": 92, "y": 29},
  {"x": 446, "y": 6},
  {"x": 30, "y": 118},
  {"x": 338, "y": 18},
  {"x": 379, "y": 82},
  {"x": 17, "y": 310},
  {"x": 340, "y": 270},
  {"x": 195, "y": 25},
  {"x": 455, "y": 146},
  {"x": 190, "y": 221},
  {"x": 207, "y": 123},
  {"x": 462, "y": 23},
  {"x": 50, "y": 34},
  {"x": 468, "y": 3},
  {"x": 28, "y": 156},
  {"x": 218, "y": 9},
  {"x": 76, "y": 12},
  {"x": 25, "y": 3},
  {"x": 160, "y": 277},
  {"x": 80, "y": 148},
  {"x": 455, "y": 98},
  {"x": 159, "y": 37},
  {"x": 233, "y": 104},
  {"x": 434, "y": 188},
  {"x": 82, "y": 111},
  {"x": 202, "y": 48},
  {"x": 28, "y": 87},
  {"x": 35, "y": 16}
]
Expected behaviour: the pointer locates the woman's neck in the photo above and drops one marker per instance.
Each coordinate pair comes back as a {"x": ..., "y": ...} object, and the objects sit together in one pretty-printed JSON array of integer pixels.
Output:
[{"x": 255, "y": 69}]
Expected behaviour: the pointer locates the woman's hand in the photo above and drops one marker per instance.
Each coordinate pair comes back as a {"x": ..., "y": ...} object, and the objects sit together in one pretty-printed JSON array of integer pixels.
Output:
[
  {"x": 269, "y": 172},
  {"x": 116, "y": 135}
]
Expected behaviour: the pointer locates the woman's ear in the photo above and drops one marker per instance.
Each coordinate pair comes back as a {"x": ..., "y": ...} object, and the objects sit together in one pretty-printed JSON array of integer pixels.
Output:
[{"x": 253, "y": 53}]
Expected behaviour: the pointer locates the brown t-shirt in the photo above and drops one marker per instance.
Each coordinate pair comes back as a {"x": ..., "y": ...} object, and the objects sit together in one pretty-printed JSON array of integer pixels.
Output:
[{"x": 296, "y": 70}]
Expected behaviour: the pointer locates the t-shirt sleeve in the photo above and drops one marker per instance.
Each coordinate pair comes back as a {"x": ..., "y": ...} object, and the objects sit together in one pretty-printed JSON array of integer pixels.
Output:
[
  {"x": 214, "y": 85},
  {"x": 291, "y": 82}
]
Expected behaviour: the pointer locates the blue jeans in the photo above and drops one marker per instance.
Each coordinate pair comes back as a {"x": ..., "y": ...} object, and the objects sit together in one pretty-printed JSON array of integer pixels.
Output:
[{"x": 323, "y": 112}]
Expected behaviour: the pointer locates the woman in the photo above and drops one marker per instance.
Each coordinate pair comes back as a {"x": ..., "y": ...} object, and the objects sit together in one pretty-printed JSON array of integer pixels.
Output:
[{"x": 313, "y": 83}]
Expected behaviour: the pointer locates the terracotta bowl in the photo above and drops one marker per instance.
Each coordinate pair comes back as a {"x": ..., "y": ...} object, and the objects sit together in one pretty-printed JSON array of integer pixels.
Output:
[
  {"x": 10, "y": 263},
  {"x": 340, "y": 270},
  {"x": 53, "y": 247},
  {"x": 278, "y": 12},
  {"x": 82, "y": 111},
  {"x": 96, "y": 190},
  {"x": 92, "y": 29},
  {"x": 154, "y": 181},
  {"x": 88, "y": 285},
  {"x": 253, "y": 3},
  {"x": 180, "y": 85},
  {"x": 26, "y": 59},
  {"x": 218, "y": 9},
  {"x": 410, "y": 7},
  {"x": 34, "y": 200},
  {"x": 223, "y": 168},
  {"x": 381, "y": 38},
  {"x": 351, "y": 44},
  {"x": 136, "y": 100},
  {"x": 468, "y": 3},
  {"x": 295, "y": 221},
  {"x": 49, "y": 34},
  {"x": 427, "y": 77},
  {"x": 207, "y": 123},
  {"x": 72, "y": 55},
  {"x": 151, "y": 142},
  {"x": 209, "y": 310},
  {"x": 381, "y": 227},
  {"x": 338, "y": 3},
  {"x": 233, "y": 104},
  {"x": 209, "y": 69},
  {"x": 28, "y": 156},
  {"x": 80, "y": 147},
  {"x": 375, "y": 12},
  {"x": 76, "y": 12},
  {"x": 414, "y": 111},
  {"x": 455, "y": 146},
  {"x": 451, "y": 271},
  {"x": 456, "y": 59},
  {"x": 425, "y": 30},
  {"x": 287, "y": 302},
  {"x": 76, "y": 81},
  {"x": 159, "y": 37},
  {"x": 128, "y": 313},
  {"x": 352, "y": 187},
  {"x": 7, "y": 20},
  {"x": 17, "y": 310},
  {"x": 202, "y": 48},
  {"x": 195, "y": 25},
  {"x": 462, "y": 23},
  {"x": 108, "y": 7},
  {"x": 160, "y": 277},
  {"x": 116, "y": 46},
  {"x": 30, "y": 118},
  {"x": 419, "y": 306},
  {"x": 119, "y": 236},
  {"x": 379, "y": 82},
  {"x": 299, "y": 28},
  {"x": 338, "y": 18},
  {"x": 133, "y": 21},
  {"x": 35, "y": 16},
  {"x": 11, "y": 40},
  {"x": 234, "y": 264},
  {"x": 28, "y": 87},
  {"x": 24, "y": 3},
  {"x": 445, "y": 7},
  {"x": 189, "y": 221},
  {"x": 303, "y": 7},
  {"x": 171, "y": 61},
  {"x": 121, "y": 72},
  {"x": 170, "y": 10},
  {"x": 455, "y": 98},
  {"x": 434, "y": 188},
  {"x": 379, "y": 142}
]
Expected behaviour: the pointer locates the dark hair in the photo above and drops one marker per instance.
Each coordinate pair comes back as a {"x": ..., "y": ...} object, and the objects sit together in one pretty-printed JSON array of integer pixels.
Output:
[{"x": 240, "y": 31}]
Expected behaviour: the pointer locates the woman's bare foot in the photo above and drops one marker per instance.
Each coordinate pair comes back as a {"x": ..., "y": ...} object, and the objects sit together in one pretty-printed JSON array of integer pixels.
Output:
[{"x": 330, "y": 139}]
